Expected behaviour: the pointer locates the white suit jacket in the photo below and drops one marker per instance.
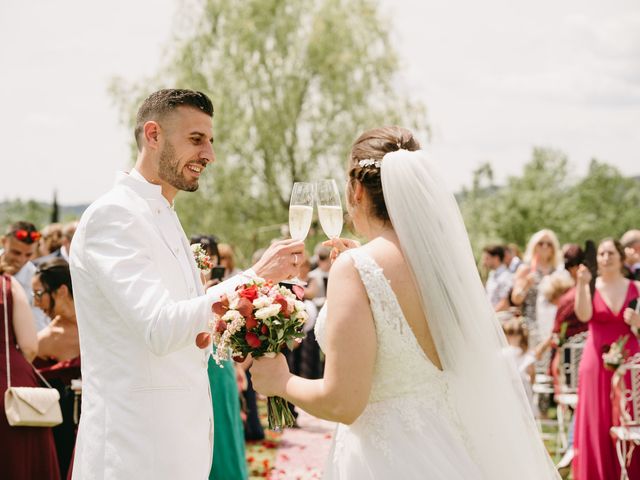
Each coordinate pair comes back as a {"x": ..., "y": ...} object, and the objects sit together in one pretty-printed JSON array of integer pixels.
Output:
[{"x": 146, "y": 405}]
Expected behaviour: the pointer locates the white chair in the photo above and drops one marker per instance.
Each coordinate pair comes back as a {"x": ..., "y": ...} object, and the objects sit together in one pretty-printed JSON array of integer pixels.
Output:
[
  {"x": 625, "y": 391},
  {"x": 569, "y": 354}
]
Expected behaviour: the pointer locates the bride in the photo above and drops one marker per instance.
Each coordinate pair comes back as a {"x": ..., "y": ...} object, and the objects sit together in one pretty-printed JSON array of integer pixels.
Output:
[{"x": 414, "y": 370}]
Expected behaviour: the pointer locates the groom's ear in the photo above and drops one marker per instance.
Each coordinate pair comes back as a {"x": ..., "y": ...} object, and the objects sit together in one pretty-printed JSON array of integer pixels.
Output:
[{"x": 151, "y": 131}]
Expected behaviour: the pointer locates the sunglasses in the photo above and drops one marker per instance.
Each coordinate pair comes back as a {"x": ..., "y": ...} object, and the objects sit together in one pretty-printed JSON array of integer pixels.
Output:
[
  {"x": 545, "y": 244},
  {"x": 26, "y": 236},
  {"x": 38, "y": 294}
]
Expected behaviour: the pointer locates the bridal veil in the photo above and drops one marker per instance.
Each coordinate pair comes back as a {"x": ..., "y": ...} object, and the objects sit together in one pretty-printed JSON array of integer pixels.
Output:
[{"x": 487, "y": 391}]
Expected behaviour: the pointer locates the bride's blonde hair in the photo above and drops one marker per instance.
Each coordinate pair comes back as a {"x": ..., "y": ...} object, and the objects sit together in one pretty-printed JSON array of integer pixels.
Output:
[{"x": 364, "y": 162}]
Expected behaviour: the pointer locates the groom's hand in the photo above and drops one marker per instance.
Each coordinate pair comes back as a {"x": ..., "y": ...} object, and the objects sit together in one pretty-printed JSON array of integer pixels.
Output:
[{"x": 281, "y": 261}]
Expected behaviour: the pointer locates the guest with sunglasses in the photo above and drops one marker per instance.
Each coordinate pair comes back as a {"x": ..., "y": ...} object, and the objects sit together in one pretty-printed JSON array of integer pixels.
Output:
[
  {"x": 59, "y": 349},
  {"x": 542, "y": 257},
  {"x": 19, "y": 246}
]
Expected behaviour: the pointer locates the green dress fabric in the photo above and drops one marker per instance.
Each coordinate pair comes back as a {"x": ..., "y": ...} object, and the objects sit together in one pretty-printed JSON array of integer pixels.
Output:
[{"x": 229, "y": 459}]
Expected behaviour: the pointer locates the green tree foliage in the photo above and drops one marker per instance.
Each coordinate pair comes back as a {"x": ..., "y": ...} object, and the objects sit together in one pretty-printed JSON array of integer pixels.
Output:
[
  {"x": 603, "y": 203},
  {"x": 18, "y": 210},
  {"x": 293, "y": 83}
]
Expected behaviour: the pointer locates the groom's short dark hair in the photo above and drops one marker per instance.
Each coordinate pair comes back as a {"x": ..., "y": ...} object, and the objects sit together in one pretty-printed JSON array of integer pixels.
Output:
[{"x": 164, "y": 101}]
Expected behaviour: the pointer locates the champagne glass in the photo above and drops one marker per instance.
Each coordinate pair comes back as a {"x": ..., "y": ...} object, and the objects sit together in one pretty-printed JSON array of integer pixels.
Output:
[
  {"x": 300, "y": 210},
  {"x": 300, "y": 215},
  {"x": 329, "y": 207}
]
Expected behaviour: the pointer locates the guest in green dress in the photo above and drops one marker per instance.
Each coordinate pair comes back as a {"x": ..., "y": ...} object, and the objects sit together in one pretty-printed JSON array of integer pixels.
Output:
[{"x": 229, "y": 459}]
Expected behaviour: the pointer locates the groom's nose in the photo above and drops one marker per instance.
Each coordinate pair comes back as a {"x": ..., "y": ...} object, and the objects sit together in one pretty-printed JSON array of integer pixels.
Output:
[{"x": 208, "y": 154}]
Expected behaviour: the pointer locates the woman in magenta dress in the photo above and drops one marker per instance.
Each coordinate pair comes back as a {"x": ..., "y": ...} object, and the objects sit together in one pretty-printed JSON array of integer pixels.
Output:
[
  {"x": 609, "y": 319},
  {"x": 27, "y": 453}
]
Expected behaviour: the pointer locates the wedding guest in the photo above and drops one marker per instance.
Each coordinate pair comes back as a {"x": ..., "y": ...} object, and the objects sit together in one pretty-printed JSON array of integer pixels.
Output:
[
  {"x": 631, "y": 243},
  {"x": 312, "y": 365},
  {"x": 51, "y": 239},
  {"x": 609, "y": 319},
  {"x": 19, "y": 246},
  {"x": 512, "y": 257},
  {"x": 561, "y": 291},
  {"x": 142, "y": 310},
  {"x": 304, "y": 360},
  {"x": 229, "y": 460},
  {"x": 500, "y": 279},
  {"x": 27, "y": 453},
  {"x": 518, "y": 350},
  {"x": 59, "y": 349},
  {"x": 227, "y": 259},
  {"x": 67, "y": 232},
  {"x": 542, "y": 257},
  {"x": 319, "y": 276}
]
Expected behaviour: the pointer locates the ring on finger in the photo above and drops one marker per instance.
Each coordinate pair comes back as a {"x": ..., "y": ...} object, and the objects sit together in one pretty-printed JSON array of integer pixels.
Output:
[{"x": 295, "y": 259}]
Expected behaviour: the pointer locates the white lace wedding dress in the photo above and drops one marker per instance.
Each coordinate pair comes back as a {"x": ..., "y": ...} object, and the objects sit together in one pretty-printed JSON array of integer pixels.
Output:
[{"x": 408, "y": 429}]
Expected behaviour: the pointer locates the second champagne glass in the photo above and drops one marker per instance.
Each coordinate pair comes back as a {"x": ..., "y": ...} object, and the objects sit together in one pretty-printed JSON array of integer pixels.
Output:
[{"x": 329, "y": 207}]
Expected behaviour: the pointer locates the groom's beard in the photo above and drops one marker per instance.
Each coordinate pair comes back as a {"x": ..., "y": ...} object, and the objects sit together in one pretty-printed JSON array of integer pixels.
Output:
[{"x": 170, "y": 172}]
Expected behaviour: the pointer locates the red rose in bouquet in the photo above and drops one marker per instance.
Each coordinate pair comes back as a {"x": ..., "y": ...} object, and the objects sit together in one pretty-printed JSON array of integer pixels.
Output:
[{"x": 259, "y": 318}]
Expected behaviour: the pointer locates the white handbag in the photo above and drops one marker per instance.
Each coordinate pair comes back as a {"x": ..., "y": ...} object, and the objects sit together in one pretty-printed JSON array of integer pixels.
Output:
[{"x": 28, "y": 406}]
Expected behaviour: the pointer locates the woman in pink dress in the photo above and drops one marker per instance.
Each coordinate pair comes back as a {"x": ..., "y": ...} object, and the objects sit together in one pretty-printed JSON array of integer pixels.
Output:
[{"x": 609, "y": 319}]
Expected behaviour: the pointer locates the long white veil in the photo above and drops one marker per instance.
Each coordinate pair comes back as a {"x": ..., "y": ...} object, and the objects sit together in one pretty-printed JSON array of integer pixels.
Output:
[{"x": 485, "y": 387}]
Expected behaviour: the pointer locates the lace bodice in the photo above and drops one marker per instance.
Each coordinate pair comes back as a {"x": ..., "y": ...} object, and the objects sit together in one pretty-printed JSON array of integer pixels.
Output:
[
  {"x": 406, "y": 384},
  {"x": 401, "y": 367}
]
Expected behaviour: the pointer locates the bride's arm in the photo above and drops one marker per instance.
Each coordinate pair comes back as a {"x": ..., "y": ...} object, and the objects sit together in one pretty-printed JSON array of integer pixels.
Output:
[{"x": 350, "y": 350}]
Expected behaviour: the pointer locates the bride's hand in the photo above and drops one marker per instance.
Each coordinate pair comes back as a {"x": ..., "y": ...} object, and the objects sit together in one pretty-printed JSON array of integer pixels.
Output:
[
  {"x": 339, "y": 245},
  {"x": 269, "y": 375}
]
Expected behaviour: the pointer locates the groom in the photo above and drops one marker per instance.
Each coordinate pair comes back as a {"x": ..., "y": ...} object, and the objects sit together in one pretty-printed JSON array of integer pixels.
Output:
[{"x": 146, "y": 407}]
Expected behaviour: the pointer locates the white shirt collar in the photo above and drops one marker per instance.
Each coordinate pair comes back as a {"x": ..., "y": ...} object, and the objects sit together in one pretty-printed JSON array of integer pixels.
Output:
[
  {"x": 134, "y": 173},
  {"x": 144, "y": 187}
]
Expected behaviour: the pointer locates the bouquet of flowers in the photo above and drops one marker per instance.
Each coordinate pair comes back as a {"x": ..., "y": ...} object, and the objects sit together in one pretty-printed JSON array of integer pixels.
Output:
[
  {"x": 203, "y": 261},
  {"x": 614, "y": 354},
  {"x": 259, "y": 318}
]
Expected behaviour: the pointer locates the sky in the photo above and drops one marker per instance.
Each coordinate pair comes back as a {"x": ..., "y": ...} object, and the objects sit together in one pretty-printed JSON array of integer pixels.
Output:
[{"x": 498, "y": 78}]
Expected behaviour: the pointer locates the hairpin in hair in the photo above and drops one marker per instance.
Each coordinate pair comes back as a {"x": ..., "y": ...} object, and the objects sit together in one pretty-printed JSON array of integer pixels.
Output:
[{"x": 370, "y": 162}]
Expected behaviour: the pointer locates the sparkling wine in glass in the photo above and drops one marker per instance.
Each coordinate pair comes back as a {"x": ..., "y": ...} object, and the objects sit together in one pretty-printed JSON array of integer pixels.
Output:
[
  {"x": 329, "y": 207},
  {"x": 300, "y": 210}
]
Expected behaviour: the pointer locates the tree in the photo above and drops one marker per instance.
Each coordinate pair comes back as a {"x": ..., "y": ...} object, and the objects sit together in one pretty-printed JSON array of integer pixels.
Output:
[
  {"x": 604, "y": 203},
  {"x": 293, "y": 82},
  {"x": 18, "y": 210}
]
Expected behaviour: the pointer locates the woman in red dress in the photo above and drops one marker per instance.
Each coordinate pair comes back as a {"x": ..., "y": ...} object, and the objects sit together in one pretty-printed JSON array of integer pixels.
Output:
[
  {"x": 609, "y": 319},
  {"x": 59, "y": 349},
  {"x": 27, "y": 453}
]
